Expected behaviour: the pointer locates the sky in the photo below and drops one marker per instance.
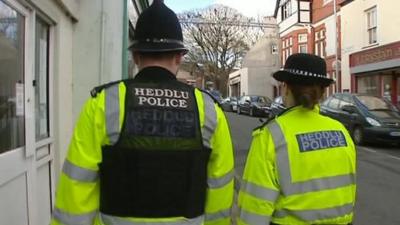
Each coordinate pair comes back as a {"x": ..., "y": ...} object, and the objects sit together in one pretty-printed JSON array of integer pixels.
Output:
[{"x": 250, "y": 8}]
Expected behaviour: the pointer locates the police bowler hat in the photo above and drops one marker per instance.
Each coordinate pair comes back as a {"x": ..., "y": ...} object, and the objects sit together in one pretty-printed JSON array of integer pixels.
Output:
[
  {"x": 158, "y": 30},
  {"x": 304, "y": 69}
]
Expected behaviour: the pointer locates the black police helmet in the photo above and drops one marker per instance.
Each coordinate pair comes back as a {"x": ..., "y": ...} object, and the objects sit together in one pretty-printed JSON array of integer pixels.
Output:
[{"x": 158, "y": 30}]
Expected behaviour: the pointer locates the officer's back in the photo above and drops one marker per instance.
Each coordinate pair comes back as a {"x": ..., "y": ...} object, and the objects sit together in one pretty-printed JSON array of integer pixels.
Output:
[{"x": 149, "y": 149}]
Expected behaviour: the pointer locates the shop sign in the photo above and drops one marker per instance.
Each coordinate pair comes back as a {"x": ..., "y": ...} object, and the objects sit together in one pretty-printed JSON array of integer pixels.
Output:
[{"x": 383, "y": 53}]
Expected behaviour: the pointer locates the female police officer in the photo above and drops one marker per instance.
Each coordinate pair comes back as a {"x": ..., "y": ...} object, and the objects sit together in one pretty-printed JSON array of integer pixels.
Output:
[
  {"x": 301, "y": 165},
  {"x": 149, "y": 150}
]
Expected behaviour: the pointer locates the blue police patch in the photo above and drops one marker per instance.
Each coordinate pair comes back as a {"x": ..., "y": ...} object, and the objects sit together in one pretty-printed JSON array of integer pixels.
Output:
[{"x": 320, "y": 140}]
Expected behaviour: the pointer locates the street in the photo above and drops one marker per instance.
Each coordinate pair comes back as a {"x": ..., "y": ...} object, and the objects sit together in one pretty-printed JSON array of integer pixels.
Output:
[{"x": 378, "y": 174}]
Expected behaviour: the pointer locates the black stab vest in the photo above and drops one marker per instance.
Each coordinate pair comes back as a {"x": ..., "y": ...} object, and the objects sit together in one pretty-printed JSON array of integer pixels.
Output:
[{"x": 158, "y": 167}]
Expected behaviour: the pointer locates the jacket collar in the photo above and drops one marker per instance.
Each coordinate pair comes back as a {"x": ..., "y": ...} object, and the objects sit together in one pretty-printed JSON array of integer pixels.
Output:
[{"x": 154, "y": 74}]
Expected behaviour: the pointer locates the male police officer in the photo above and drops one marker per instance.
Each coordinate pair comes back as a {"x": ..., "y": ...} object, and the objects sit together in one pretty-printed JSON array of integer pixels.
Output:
[
  {"x": 301, "y": 166},
  {"x": 149, "y": 150}
]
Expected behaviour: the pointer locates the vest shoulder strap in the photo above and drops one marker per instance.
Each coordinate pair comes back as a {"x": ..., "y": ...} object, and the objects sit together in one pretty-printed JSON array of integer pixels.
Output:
[
  {"x": 212, "y": 97},
  {"x": 98, "y": 89}
]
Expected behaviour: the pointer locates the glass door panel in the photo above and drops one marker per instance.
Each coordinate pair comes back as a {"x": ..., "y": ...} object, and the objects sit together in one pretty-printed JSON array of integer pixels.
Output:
[
  {"x": 12, "y": 115},
  {"x": 41, "y": 80}
]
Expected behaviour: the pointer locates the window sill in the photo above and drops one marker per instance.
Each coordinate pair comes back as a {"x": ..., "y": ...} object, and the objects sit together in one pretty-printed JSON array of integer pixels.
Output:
[{"x": 370, "y": 46}]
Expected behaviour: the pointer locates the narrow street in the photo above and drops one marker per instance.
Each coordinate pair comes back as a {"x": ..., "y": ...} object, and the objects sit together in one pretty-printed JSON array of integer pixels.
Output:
[{"x": 378, "y": 174}]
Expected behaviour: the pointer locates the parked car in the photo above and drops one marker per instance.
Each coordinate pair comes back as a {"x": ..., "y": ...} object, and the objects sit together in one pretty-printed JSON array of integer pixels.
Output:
[
  {"x": 368, "y": 118},
  {"x": 229, "y": 104},
  {"x": 276, "y": 107},
  {"x": 254, "y": 105}
]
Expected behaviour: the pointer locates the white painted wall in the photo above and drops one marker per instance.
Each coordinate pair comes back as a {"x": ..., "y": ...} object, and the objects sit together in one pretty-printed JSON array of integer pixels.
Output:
[
  {"x": 63, "y": 92},
  {"x": 293, "y": 17},
  {"x": 354, "y": 33},
  {"x": 244, "y": 81},
  {"x": 261, "y": 64},
  {"x": 97, "y": 47},
  {"x": 330, "y": 35}
]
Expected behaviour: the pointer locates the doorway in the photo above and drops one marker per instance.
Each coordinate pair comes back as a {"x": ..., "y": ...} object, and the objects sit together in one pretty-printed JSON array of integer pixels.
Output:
[{"x": 25, "y": 116}]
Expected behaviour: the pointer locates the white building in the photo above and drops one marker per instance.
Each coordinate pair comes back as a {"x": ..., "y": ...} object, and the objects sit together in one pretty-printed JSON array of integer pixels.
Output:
[
  {"x": 51, "y": 54},
  {"x": 371, "y": 47},
  {"x": 255, "y": 76}
]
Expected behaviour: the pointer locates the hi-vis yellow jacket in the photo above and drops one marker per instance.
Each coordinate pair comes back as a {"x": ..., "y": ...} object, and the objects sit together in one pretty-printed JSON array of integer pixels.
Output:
[
  {"x": 300, "y": 170},
  {"x": 77, "y": 196}
]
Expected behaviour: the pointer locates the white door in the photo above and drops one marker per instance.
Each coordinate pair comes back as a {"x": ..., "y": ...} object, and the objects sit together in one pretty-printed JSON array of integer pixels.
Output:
[{"x": 25, "y": 138}]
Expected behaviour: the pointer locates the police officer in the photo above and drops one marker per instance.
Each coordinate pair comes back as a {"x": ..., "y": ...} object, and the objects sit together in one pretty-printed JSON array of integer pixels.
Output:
[
  {"x": 301, "y": 166},
  {"x": 149, "y": 150}
]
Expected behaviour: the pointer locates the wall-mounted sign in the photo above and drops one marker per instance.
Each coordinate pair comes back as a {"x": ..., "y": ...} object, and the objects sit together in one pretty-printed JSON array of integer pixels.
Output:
[{"x": 378, "y": 54}]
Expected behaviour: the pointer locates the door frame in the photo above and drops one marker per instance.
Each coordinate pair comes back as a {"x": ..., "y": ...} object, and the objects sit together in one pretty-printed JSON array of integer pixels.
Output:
[{"x": 24, "y": 159}]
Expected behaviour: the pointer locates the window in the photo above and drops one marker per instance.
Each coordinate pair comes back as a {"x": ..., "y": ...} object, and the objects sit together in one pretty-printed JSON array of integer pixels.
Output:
[
  {"x": 302, "y": 39},
  {"x": 287, "y": 48},
  {"x": 320, "y": 43},
  {"x": 12, "y": 107},
  {"x": 371, "y": 25},
  {"x": 286, "y": 9},
  {"x": 334, "y": 103},
  {"x": 346, "y": 100},
  {"x": 41, "y": 80},
  {"x": 302, "y": 48},
  {"x": 274, "y": 49},
  {"x": 368, "y": 85}
]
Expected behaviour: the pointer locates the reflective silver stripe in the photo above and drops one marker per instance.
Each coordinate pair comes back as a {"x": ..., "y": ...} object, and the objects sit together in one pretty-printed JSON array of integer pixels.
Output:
[
  {"x": 221, "y": 181},
  {"x": 113, "y": 220},
  {"x": 210, "y": 120},
  {"x": 282, "y": 156},
  {"x": 71, "y": 219},
  {"x": 316, "y": 214},
  {"x": 112, "y": 113},
  {"x": 259, "y": 192},
  {"x": 321, "y": 184},
  {"x": 285, "y": 177},
  {"x": 79, "y": 173},
  {"x": 223, "y": 214},
  {"x": 254, "y": 219}
]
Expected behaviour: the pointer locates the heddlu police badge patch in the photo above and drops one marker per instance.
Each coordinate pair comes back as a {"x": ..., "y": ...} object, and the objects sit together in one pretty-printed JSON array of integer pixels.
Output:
[
  {"x": 320, "y": 140},
  {"x": 162, "y": 112}
]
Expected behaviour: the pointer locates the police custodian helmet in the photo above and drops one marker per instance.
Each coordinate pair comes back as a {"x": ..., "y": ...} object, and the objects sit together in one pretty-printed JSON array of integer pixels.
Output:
[{"x": 158, "y": 30}]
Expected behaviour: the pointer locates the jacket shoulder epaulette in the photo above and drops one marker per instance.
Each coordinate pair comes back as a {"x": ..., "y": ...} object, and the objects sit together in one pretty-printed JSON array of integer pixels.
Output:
[
  {"x": 98, "y": 89},
  {"x": 264, "y": 123},
  {"x": 211, "y": 96}
]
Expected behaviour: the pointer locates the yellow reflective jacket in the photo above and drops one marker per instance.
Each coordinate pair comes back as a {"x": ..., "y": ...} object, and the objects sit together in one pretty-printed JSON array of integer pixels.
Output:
[
  {"x": 77, "y": 195},
  {"x": 300, "y": 170}
]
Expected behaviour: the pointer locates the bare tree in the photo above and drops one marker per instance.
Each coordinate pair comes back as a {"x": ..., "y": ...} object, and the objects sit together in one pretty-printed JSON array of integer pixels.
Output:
[{"x": 218, "y": 37}]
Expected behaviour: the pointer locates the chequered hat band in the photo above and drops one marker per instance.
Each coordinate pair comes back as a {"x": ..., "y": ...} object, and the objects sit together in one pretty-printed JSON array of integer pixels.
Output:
[
  {"x": 304, "y": 73},
  {"x": 157, "y": 40}
]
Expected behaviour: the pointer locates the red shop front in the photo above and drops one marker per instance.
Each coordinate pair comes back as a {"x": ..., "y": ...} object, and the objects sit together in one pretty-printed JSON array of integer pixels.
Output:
[{"x": 376, "y": 71}]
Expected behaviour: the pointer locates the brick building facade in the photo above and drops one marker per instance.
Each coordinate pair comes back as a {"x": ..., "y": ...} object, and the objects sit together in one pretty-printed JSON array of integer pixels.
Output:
[{"x": 311, "y": 26}]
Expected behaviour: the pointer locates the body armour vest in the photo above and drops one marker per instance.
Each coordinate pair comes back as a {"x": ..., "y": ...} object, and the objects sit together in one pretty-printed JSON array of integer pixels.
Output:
[{"x": 158, "y": 167}]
